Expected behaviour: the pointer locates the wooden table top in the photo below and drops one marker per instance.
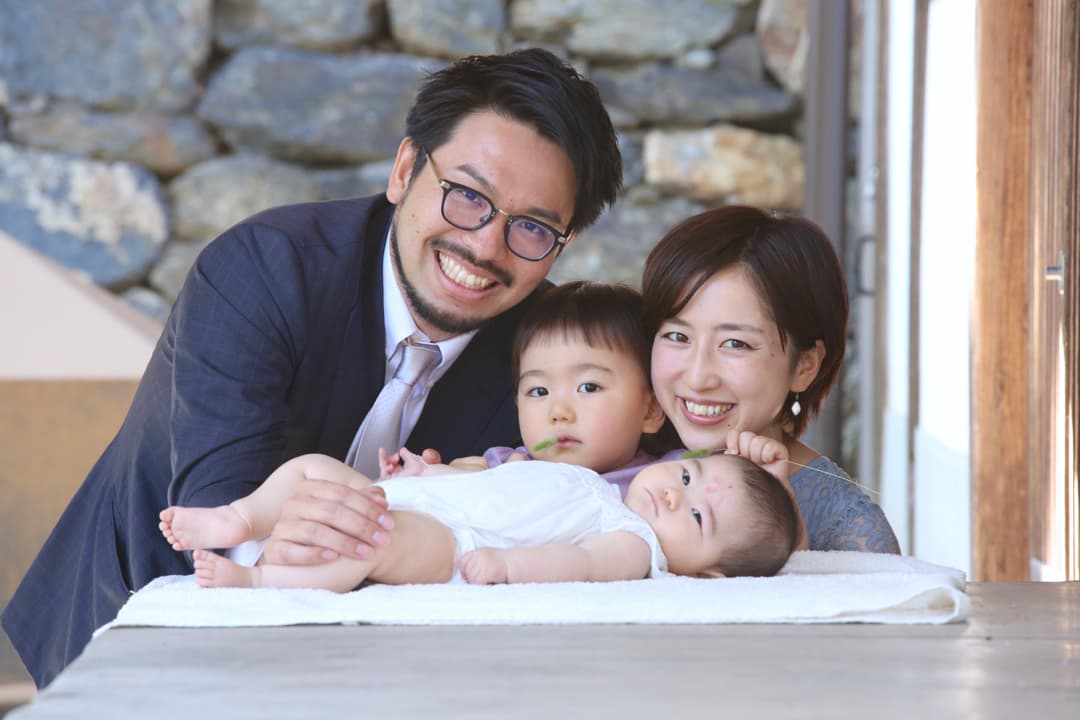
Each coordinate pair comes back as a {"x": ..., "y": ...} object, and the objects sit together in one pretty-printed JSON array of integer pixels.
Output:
[{"x": 1018, "y": 656}]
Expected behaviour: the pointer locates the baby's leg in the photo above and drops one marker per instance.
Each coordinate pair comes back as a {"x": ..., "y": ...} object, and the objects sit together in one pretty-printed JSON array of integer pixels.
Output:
[
  {"x": 421, "y": 550},
  {"x": 341, "y": 575},
  {"x": 262, "y": 508},
  {"x": 251, "y": 517},
  {"x": 192, "y": 528},
  {"x": 213, "y": 570}
]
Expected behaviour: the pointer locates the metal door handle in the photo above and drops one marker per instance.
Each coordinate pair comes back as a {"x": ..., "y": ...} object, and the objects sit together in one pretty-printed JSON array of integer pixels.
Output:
[{"x": 1057, "y": 272}]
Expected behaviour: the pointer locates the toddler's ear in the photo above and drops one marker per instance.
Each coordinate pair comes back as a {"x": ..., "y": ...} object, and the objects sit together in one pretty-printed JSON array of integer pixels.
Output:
[
  {"x": 654, "y": 417},
  {"x": 711, "y": 574}
]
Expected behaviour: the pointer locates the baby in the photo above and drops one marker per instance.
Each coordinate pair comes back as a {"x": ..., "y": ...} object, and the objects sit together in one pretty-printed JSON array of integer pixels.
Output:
[{"x": 720, "y": 515}]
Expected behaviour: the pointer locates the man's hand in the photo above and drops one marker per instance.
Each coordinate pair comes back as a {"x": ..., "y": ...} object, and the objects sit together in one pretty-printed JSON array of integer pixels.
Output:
[
  {"x": 484, "y": 566},
  {"x": 324, "y": 520}
]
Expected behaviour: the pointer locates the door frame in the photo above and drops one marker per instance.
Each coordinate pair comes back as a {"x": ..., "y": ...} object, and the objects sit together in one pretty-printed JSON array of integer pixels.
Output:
[{"x": 1025, "y": 401}]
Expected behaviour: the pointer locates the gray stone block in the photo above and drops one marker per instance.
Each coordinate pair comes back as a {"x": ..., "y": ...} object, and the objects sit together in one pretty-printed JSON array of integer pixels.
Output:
[
  {"x": 312, "y": 24},
  {"x": 109, "y": 54},
  {"x": 107, "y": 221},
  {"x": 166, "y": 144},
  {"x": 310, "y": 107},
  {"x": 449, "y": 28}
]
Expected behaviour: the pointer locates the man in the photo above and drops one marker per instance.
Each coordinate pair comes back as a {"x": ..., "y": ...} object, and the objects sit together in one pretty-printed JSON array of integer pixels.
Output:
[{"x": 288, "y": 327}]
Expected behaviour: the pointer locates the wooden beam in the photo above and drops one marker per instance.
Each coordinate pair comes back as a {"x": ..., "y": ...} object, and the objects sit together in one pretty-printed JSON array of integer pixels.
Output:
[{"x": 1000, "y": 334}]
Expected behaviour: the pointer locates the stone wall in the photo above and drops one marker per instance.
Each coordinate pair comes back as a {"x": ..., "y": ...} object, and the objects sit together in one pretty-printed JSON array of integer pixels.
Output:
[{"x": 134, "y": 131}]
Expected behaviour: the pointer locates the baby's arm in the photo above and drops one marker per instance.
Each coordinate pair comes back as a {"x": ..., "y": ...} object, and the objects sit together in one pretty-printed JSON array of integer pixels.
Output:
[
  {"x": 470, "y": 463},
  {"x": 606, "y": 557},
  {"x": 405, "y": 463}
]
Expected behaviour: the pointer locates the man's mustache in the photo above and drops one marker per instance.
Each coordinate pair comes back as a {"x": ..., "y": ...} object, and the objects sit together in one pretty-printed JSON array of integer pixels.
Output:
[{"x": 465, "y": 254}]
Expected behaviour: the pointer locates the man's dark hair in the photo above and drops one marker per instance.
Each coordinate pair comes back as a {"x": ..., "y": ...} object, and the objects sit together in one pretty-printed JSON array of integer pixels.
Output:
[{"x": 536, "y": 88}]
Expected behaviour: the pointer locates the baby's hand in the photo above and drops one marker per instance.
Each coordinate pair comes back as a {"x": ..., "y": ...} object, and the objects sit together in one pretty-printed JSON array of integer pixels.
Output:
[
  {"x": 389, "y": 465},
  {"x": 764, "y": 451},
  {"x": 484, "y": 566},
  {"x": 403, "y": 463},
  {"x": 431, "y": 456}
]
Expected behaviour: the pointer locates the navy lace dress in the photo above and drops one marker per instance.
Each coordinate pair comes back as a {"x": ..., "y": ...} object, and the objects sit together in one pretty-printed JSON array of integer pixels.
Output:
[{"x": 838, "y": 514}]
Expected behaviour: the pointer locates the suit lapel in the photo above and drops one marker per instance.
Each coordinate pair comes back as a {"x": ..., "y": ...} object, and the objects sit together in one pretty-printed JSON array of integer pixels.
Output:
[{"x": 362, "y": 365}]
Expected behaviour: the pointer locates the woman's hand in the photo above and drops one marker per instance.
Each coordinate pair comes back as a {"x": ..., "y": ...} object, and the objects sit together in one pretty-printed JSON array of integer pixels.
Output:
[{"x": 325, "y": 520}]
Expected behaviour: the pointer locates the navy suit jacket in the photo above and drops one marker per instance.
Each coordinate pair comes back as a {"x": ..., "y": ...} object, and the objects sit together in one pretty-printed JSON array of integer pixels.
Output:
[{"x": 274, "y": 348}]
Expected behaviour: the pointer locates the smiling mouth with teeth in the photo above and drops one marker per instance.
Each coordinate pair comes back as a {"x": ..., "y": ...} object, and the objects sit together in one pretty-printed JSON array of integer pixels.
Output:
[
  {"x": 710, "y": 410},
  {"x": 457, "y": 272}
]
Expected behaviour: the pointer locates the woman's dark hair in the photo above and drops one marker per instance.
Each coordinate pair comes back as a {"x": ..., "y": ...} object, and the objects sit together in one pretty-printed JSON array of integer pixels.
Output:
[
  {"x": 602, "y": 315},
  {"x": 794, "y": 266},
  {"x": 538, "y": 89}
]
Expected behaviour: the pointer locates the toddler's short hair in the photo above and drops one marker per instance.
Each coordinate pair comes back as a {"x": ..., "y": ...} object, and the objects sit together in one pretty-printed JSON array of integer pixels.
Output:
[{"x": 602, "y": 314}]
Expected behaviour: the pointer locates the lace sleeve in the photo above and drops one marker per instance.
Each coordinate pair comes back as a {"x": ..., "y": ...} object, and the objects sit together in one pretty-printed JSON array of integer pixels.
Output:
[{"x": 839, "y": 516}]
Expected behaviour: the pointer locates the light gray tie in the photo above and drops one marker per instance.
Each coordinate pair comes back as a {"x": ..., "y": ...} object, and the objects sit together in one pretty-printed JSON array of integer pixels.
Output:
[{"x": 382, "y": 426}]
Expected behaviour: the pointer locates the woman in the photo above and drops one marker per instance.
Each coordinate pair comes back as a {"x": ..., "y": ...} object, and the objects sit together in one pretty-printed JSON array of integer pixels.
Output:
[{"x": 748, "y": 312}]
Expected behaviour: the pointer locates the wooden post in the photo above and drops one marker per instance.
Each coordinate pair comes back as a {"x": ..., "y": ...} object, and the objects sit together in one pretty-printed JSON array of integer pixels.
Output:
[
  {"x": 1000, "y": 333},
  {"x": 826, "y": 131},
  {"x": 1054, "y": 366}
]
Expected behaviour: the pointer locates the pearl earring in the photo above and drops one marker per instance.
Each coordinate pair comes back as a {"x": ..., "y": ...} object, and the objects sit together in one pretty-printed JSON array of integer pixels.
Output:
[{"x": 796, "y": 408}]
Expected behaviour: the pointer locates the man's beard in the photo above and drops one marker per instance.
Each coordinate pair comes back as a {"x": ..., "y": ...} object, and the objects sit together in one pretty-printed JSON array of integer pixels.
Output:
[{"x": 436, "y": 317}]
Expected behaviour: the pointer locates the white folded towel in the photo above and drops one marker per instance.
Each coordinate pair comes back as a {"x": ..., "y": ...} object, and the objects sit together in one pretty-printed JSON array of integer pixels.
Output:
[{"x": 814, "y": 587}]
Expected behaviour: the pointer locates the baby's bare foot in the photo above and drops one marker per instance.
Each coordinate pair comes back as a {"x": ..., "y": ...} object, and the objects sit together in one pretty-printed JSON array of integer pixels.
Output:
[
  {"x": 213, "y": 570},
  {"x": 192, "y": 528}
]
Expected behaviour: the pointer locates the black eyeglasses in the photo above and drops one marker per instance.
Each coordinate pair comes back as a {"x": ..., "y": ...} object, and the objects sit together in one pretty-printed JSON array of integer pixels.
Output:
[{"x": 468, "y": 209}]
